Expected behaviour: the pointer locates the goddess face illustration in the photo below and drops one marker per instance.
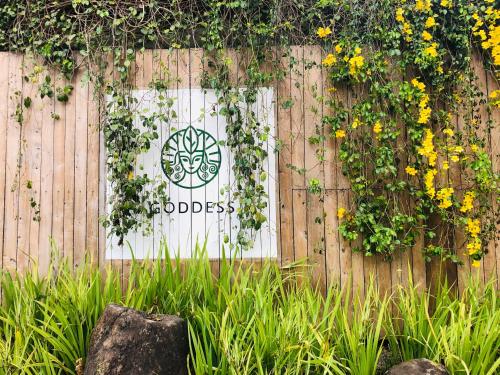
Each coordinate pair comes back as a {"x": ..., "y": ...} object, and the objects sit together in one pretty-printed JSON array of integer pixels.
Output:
[{"x": 191, "y": 158}]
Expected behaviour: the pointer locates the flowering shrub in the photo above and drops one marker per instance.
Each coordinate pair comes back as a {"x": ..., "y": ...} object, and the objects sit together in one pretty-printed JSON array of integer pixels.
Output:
[{"x": 411, "y": 144}]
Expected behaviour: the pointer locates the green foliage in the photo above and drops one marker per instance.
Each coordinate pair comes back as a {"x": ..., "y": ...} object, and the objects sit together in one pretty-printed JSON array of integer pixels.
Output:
[
  {"x": 246, "y": 322},
  {"x": 376, "y": 47},
  {"x": 410, "y": 142}
]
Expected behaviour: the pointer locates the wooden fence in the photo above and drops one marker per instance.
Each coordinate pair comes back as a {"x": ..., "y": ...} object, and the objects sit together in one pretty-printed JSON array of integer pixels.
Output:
[{"x": 52, "y": 172}]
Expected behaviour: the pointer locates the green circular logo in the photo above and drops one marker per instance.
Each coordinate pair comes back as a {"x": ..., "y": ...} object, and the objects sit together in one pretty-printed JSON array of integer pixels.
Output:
[{"x": 191, "y": 158}]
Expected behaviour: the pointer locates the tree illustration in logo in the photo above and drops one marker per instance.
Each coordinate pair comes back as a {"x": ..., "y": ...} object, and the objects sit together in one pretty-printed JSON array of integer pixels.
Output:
[{"x": 191, "y": 158}]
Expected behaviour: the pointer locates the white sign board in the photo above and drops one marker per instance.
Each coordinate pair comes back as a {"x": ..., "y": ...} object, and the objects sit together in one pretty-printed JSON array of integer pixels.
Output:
[{"x": 200, "y": 168}]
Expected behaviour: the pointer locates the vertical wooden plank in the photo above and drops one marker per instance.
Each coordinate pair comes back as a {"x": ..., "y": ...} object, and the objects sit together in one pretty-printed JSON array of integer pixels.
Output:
[
  {"x": 299, "y": 223},
  {"x": 59, "y": 167},
  {"x": 459, "y": 240},
  {"x": 92, "y": 221},
  {"x": 313, "y": 92},
  {"x": 342, "y": 186},
  {"x": 418, "y": 270},
  {"x": 10, "y": 243},
  {"x": 4, "y": 92},
  {"x": 283, "y": 98},
  {"x": 46, "y": 180},
  {"x": 331, "y": 233},
  {"x": 297, "y": 118},
  {"x": 345, "y": 246},
  {"x": 81, "y": 152},
  {"x": 332, "y": 238},
  {"x": 298, "y": 153},
  {"x": 358, "y": 259},
  {"x": 401, "y": 264},
  {"x": 29, "y": 163},
  {"x": 35, "y": 156},
  {"x": 492, "y": 259},
  {"x": 69, "y": 172},
  {"x": 488, "y": 263}
]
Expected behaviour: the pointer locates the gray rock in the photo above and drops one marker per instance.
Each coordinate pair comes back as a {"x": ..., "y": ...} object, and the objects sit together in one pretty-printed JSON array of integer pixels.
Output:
[
  {"x": 126, "y": 341},
  {"x": 418, "y": 367}
]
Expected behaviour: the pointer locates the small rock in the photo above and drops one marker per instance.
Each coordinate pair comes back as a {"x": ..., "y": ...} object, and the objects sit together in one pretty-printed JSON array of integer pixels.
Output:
[
  {"x": 418, "y": 367},
  {"x": 127, "y": 341}
]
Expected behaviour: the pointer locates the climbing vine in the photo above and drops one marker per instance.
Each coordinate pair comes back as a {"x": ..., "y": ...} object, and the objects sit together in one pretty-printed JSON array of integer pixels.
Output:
[{"x": 410, "y": 144}]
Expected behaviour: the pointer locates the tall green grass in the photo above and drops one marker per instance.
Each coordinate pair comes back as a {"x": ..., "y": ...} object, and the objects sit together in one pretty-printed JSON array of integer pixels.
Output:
[{"x": 247, "y": 322}]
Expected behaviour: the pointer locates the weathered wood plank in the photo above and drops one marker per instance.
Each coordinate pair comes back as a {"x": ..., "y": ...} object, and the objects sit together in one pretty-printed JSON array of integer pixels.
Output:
[
  {"x": 283, "y": 126},
  {"x": 81, "y": 151},
  {"x": 59, "y": 167},
  {"x": 29, "y": 162},
  {"x": 297, "y": 118},
  {"x": 313, "y": 92},
  {"x": 4, "y": 92},
  {"x": 93, "y": 139},
  {"x": 488, "y": 264},
  {"x": 46, "y": 180},
  {"x": 69, "y": 174},
  {"x": 492, "y": 270},
  {"x": 12, "y": 168},
  {"x": 331, "y": 222}
]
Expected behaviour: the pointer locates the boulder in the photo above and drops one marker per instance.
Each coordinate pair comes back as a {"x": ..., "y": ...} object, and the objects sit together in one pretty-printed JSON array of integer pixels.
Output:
[
  {"x": 418, "y": 367},
  {"x": 127, "y": 341}
]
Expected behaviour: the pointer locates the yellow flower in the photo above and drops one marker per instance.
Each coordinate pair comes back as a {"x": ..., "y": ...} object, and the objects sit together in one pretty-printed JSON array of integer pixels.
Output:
[
  {"x": 458, "y": 149},
  {"x": 427, "y": 148},
  {"x": 454, "y": 158},
  {"x": 341, "y": 212},
  {"x": 476, "y": 264},
  {"x": 474, "y": 148},
  {"x": 407, "y": 30},
  {"x": 419, "y": 85},
  {"x": 448, "y": 132},
  {"x": 355, "y": 123},
  {"x": 338, "y": 48},
  {"x": 444, "y": 195},
  {"x": 446, "y": 165},
  {"x": 429, "y": 182},
  {"x": 468, "y": 202},
  {"x": 411, "y": 171},
  {"x": 495, "y": 94},
  {"x": 423, "y": 5},
  {"x": 486, "y": 44},
  {"x": 377, "y": 128},
  {"x": 130, "y": 175},
  {"x": 357, "y": 50},
  {"x": 323, "y": 32},
  {"x": 424, "y": 115},
  {"x": 474, "y": 246},
  {"x": 399, "y": 15},
  {"x": 430, "y": 22},
  {"x": 340, "y": 133},
  {"x": 355, "y": 63},
  {"x": 426, "y": 36},
  {"x": 473, "y": 227},
  {"x": 329, "y": 60},
  {"x": 478, "y": 24},
  {"x": 446, "y": 3},
  {"x": 431, "y": 50}
]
